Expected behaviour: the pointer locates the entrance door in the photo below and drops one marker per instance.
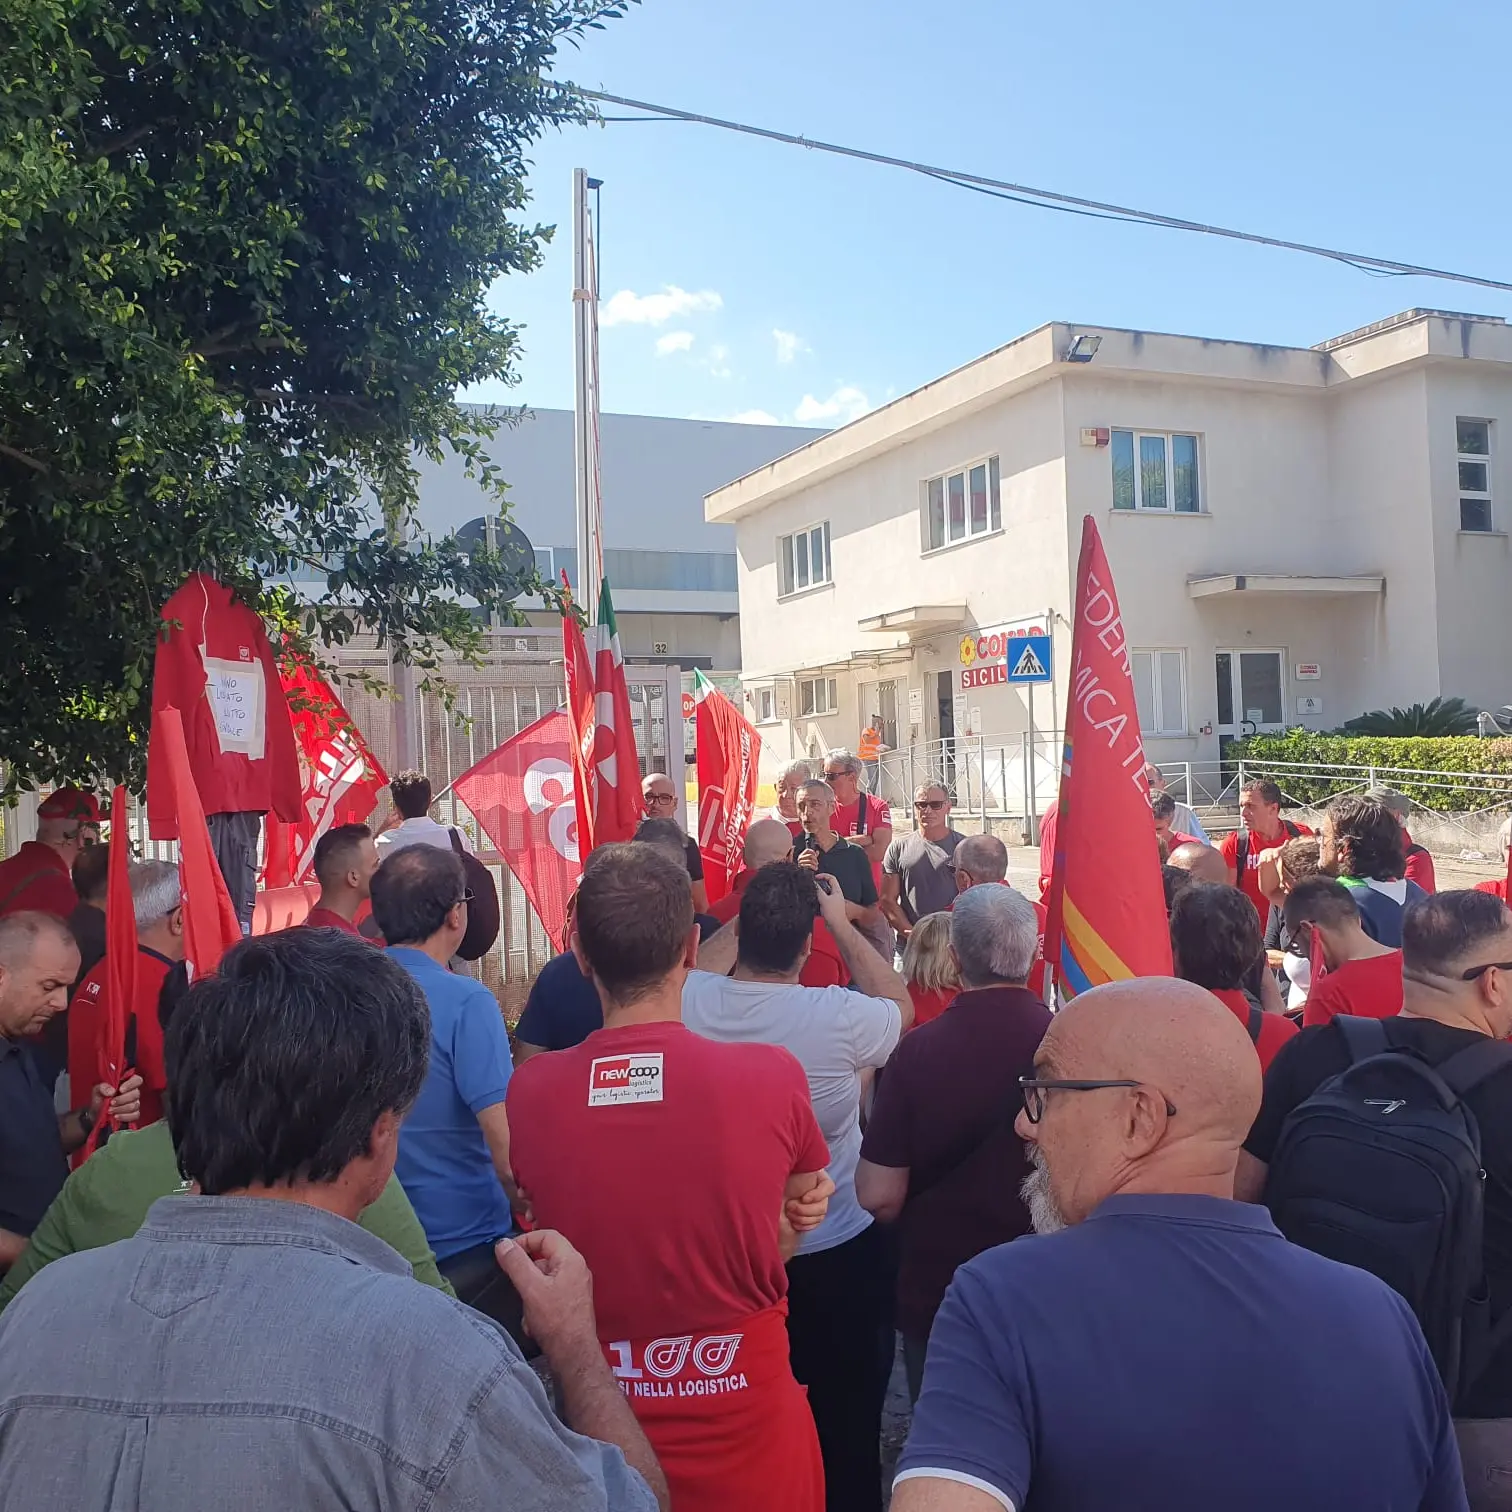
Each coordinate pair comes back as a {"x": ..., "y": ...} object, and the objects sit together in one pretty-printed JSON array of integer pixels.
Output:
[
  {"x": 1251, "y": 694},
  {"x": 945, "y": 709}
]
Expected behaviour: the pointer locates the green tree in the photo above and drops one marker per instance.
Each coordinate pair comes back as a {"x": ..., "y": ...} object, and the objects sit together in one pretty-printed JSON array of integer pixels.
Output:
[{"x": 245, "y": 247}]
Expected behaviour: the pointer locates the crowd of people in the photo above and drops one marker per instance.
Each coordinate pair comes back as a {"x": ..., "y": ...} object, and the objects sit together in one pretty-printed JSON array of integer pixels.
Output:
[{"x": 337, "y": 1242}]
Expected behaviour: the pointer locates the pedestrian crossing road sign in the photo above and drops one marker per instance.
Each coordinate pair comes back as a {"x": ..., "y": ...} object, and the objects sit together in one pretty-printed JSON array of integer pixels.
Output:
[{"x": 1028, "y": 659}]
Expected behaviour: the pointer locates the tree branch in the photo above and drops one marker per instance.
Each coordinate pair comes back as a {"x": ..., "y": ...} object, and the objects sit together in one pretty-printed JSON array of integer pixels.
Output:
[
  {"x": 21, "y": 456},
  {"x": 127, "y": 139}
]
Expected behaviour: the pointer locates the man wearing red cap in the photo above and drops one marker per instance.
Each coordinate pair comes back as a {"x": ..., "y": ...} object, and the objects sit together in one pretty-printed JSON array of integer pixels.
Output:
[{"x": 37, "y": 878}]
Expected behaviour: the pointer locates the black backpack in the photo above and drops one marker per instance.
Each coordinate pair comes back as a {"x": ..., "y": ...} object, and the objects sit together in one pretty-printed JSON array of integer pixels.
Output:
[{"x": 1381, "y": 1169}]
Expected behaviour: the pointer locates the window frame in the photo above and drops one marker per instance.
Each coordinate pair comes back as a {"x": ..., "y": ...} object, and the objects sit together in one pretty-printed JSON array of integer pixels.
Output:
[
  {"x": 1155, "y": 653},
  {"x": 1168, "y": 441},
  {"x": 991, "y": 465},
  {"x": 832, "y": 696},
  {"x": 767, "y": 697},
  {"x": 787, "y": 560},
  {"x": 1479, "y": 496}
]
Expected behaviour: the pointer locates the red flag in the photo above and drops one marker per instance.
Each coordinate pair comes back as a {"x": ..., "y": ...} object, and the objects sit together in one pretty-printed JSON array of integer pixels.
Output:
[
  {"x": 522, "y": 797},
  {"x": 580, "y": 713},
  {"x": 617, "y": 795},
  {"x": 120, "y": 962},
  {"x": 729, "y": 750},
  {"x": 1107, "y": 907},
  {"x": 210, "y": 923},
  {"x": 340, "y": 778}
]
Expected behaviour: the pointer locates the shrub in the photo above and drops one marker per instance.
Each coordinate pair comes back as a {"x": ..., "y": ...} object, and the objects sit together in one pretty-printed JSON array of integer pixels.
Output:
[
  {"x": 1439, "y": 716},
  {"x": 1485, "y": 765}
]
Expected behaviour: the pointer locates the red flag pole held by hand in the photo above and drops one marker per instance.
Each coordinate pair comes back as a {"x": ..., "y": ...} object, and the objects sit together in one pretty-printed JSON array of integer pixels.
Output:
[
  {"x": 210, "y": 923},
  {"x": 1107, "y": 906},
  {"x": 120, "y": 963}
]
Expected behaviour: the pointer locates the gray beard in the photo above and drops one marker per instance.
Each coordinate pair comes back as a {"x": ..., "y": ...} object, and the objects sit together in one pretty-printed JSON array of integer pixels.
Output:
[{"x": 1044, "y": 1213}]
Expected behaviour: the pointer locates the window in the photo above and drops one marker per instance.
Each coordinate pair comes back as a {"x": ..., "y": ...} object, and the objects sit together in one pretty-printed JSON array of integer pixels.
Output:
[
  {"x": 817, "y": 695},
  {"x": 962, "y": 505},
  {"x": 1473, "y": 439},
  {"x": 1159, "y": 691},
  {"x": 1154, "y": 471},
  {"x": 766, "y": 705},
  {"x": 803, "y": 559}
]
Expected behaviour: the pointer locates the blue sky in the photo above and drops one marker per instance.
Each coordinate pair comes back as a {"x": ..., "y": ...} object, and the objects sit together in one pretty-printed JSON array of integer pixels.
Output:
[{"x": 751, "y": 279}]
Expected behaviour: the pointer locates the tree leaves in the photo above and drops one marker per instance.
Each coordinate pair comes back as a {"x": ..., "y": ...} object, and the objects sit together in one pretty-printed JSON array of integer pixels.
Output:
[{"x": 244, "y": 252}]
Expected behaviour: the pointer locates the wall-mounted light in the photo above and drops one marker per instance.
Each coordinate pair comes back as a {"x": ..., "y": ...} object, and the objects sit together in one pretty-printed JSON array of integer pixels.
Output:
[{"x": 1083, "y": 348}]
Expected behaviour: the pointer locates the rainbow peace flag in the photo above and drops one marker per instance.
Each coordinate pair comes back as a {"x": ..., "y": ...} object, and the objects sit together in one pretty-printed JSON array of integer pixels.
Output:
[{"x": 1107, "y": 917}]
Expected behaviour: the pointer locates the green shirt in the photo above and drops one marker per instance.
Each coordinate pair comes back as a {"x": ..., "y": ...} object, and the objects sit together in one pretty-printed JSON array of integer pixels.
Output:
[{"x": 107, "y": 1199}]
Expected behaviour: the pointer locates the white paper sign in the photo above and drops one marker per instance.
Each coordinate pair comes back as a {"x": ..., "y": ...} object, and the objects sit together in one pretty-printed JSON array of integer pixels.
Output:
[{"x": 239, "y": 703}]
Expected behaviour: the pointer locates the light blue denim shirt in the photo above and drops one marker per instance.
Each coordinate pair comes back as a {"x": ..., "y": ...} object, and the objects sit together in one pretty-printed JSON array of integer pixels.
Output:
[{"x": 249, "y": 1355}]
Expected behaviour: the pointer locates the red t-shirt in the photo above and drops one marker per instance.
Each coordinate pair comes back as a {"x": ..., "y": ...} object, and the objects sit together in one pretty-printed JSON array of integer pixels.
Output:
[
  {"x": 848, "y": 821},
  {"x": 1274, "y": 1030},
  {"x": 325, "y": 918},
  {"x": 1497, "y": 887},
  {"x": 930, "y": 1002},
  {"x": 670, "y": 1183},
  {"x": 86, "y": 1013},
  {"x": 37, "y": 877},
  {"x": 1369, "y": 988},
  {"x": 1419, "y": 865},
  {"x": 1049, "y": 821},
  {"x": 824, "y": 967},
  {"x": 1250, "y": 881}
]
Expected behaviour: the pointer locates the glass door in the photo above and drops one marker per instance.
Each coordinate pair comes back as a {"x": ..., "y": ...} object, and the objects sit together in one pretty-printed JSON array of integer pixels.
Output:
[{"x": 1251, "y": 695}]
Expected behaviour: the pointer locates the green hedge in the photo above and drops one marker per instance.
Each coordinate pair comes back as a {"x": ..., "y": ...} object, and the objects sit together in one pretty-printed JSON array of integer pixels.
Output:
[{"x": 1448, "y": 754}]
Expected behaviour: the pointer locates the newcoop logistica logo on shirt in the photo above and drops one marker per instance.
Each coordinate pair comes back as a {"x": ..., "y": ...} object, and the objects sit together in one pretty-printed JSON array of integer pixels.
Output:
[{"x": 617, "y": 1079}]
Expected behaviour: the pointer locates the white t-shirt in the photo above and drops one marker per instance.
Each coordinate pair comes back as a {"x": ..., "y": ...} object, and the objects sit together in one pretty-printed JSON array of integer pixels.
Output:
[
  {"x": 835, "y": 1034},
  {"x": 421, "y": 831}
]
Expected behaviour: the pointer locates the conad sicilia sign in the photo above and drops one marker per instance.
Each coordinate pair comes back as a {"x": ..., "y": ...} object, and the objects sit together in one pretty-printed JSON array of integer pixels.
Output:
[{"x": 991, "y": 644}]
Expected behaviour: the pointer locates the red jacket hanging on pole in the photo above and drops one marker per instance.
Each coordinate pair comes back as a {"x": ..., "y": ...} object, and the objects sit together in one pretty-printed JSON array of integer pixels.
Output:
[{"x": 215, "y": 665}]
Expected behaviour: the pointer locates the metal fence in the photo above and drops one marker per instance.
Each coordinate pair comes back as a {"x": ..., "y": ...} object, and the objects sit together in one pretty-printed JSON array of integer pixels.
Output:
[{"x": 1006, "y": 778}]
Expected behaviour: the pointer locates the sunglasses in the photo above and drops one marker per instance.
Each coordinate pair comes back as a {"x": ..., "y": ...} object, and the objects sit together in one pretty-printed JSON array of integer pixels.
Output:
[
  {"x": 929, "y": 803},
  {"x": 1476, "y": 972},
  {"x": 830, "y": 776},
  {"x": 467, "y": 896},
  {"x": 1034, "y": 1091}
]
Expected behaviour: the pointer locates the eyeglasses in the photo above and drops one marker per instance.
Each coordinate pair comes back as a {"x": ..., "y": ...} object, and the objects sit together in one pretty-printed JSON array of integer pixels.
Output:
[
  {"x": 467, "y": 896},
  {"x": 929, "y": 803},
  {"x": 830, "y": 776},
  {"x": 1475, "y": 972},
  {"x": 660, "y": 798},
  {"x": 1034, "y": 1093}
]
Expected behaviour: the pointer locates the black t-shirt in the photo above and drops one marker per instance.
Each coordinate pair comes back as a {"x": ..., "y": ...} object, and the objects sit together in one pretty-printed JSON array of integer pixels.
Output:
[
  {"x": 33, "y": 1167},
  {"x": 695, "y": 861},
  {"x": 1319, "y": 1053},
  {"x": 848, "y": 865}
]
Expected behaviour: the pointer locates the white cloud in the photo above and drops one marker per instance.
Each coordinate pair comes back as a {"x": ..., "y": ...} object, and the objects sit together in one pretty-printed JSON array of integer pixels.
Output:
[
  {"x": 846, "y": 403},
  {"x": 754, "y": 417},
  {"x": 673, "y": 341},
  {"x": 719, "y": 362},
  {"x": 629, "y": 308},
  {"x": 789, "y": 345}
]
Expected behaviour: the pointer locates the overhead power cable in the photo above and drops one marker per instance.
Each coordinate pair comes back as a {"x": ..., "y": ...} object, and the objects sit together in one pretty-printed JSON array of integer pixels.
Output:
[{"x": 1047, "y": 199}]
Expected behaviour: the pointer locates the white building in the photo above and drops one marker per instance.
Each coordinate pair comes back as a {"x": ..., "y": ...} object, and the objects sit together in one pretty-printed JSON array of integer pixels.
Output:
[
  {"x": 673, "y": 574},
  {"x": 1296, "y": 536}
]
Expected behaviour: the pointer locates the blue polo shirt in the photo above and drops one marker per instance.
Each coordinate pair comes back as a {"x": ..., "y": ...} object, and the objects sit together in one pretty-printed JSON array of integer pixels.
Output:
[
  {"x": 1176, "y": 1354},
  {"x": 444, "y": 1165}
]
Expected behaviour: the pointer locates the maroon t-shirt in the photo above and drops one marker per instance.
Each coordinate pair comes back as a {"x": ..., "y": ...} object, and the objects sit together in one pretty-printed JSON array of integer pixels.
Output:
[{"x": 945, "y": 1109}]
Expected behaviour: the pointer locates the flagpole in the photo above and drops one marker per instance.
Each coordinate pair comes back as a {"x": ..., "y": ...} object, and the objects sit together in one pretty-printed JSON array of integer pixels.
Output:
[{"x": 590, "y": 555}]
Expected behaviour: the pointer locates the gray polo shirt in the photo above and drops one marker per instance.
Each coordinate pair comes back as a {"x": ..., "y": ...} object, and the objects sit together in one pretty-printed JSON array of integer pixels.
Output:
[
  {"x": 928, "y": 885},
  {"x": 257, "y": 1356}
]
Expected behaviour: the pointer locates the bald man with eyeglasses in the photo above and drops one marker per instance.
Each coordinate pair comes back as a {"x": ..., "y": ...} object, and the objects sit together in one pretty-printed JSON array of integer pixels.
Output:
[{"x": 1158, "y": 1344}]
